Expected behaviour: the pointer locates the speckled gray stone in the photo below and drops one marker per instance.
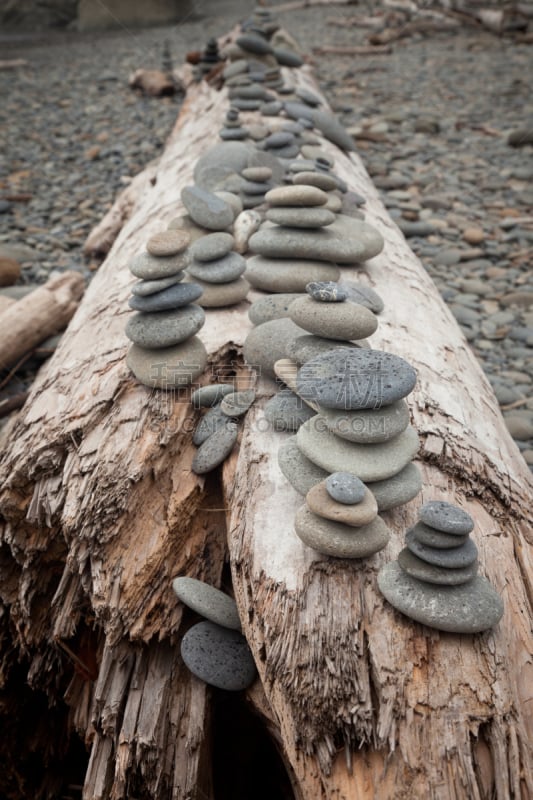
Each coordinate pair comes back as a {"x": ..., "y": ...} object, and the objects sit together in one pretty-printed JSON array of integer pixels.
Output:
[
  {"x": 210, "y": 395},
  {"x": 211, "y": 421},
  {"x": 326, "y": 291},
  {"x": 165, "y": 328},
  {"x": 146, "y": 288},
  {"x": 273, "y": 306},
  {"x": 347, "y": 321},
  {"x": 345, "y": 487},
  {"x": 237, "y": 404},
  {"x": 293, "y": 217},
  {"x": 368, "y": 425},
  {"x": 433, "y": 538},
  {"x": 287, "y": 274},
  {"x": 399, "y": 489},
  {"x": 349, "y": 378},
  {"x": 307, "y": 347},
  {"x": 455, "y": 557},
  {"x": 301, "y": 473},
  {"x": 469, "y": 608},
  {"x": 430, "y": 573},
  {"x": 211, "y": 603},
  {"x": 370, "y": 462},
  {"x": 212, "y": 246},
  {"x": 222, "y": 270},
  {"x": 339, "y": 540},
  {"x": 267, "y": 343},
  {"x": 218, "y": 295},
  {"x": 168, "y": 367},
  {"x": 446, "y": 517},
  {"x": 176, "y": 296},
  {"x": 364, "y": 295},
  {"x": 151, "y": 268},
  {"x": 206, "y": 209},
  {"x": 286, "y": 411},
  {"x": 214, "y": 450},
  {"x": 219, "y": 656}
]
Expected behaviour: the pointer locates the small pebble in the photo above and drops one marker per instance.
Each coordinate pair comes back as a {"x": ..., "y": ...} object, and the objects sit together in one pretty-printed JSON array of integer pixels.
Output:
[
  {"x": 326, "y": 291},
  {"x": 344, "y": 487}
]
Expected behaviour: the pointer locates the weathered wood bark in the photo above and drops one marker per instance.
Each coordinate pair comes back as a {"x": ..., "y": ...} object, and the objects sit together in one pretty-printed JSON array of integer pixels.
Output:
[{"x": 100, "y": 511}]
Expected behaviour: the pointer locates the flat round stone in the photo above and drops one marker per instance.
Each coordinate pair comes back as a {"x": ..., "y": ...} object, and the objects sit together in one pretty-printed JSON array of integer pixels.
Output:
[
  {"x": 211, "y": 395},
  {"x": 433, "y": 538},
  {"x": 206, "y": 209},
  {"x": 364, "y": 295},
  {"x": 355, "y": 515},
  {"x": 146, "y": 288},
  {"x": 168, "y": 243},
  {"x": 455, "y": 557},
  {"x": 287, "y": 57},
  {"x": 217, "y": 295},
  {"x": 294, "y": 217},
  {"x": 366, "y": 426},
  {"x": 399, "y": 489},
  {"x": 326, "y": 291},
  {"x": 287, "y": 275},
  {"x": 346, "y": 321},
  {"x": 279, "y": 138},
  {"x": 165, "y": 328},
  {"x": 308, "y": 97},
  {"x": 301, "y": 473},
  {"x": 296, "y": 195},
  {"x": 446, "y": 517},
  {"x": 211, "y": 603},
  {"x": 370, "y": 462},
  {"x": 259, "y": 189},
  {"x": 168, "y": 367},
  {"x": 216, "y": 448},
  {"x": 237, "y": 404},
  {"x": 286, "y": 411},
  {"x": 223, "y": 270},
  {"x": 470, "y": 608},
  {"x": 307, "y": 347},
  {"x": 176, "y": 296},
  {"x": 275, "y": 306},
  {"x": 338, "y": 540},
  {"x": 307, "y": 178},
  {"x": 258, "y": 174},
  {"x": 266, "y": 344},
  {"x": 344, "y": 487},
  {"x": 351, "y": 378},
  {"x": 212, "y": 246},
  {"x": 219, "y": 656},
  {"x": 430, "y": 573},
  {"x": 151, "y": 268}
]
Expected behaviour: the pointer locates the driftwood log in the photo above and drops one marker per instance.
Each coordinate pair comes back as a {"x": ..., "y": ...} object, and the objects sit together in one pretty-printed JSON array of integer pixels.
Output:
[{"x": 100, "y": 511}]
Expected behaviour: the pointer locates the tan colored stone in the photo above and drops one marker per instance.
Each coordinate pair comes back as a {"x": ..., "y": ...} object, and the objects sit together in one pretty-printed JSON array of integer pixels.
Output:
[
  {"x": 473, "y": 235},
  {"x": 355, "y": 515},
  {"x": 168, "y": 243}
]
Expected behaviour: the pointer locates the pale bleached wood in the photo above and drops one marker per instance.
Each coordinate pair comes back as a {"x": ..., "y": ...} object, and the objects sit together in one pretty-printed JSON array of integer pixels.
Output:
[{"x": 96, "y": 488}]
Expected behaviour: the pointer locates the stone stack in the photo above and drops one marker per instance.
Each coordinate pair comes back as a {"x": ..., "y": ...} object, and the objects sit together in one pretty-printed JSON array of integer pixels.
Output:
[
  {"x": 208, "y": 59},
  {"x": 233, "y": 130},
  {"x": 218, "y": 269},
  {"x": 256, "y": 182},
  {"x": 165, "y": 353},
  {"x": 215, "y": 650},
  {"x": 435, "y": 580}
]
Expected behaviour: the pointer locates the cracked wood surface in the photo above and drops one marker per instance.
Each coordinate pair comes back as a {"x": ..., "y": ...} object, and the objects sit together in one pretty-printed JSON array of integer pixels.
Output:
[{"x": 100, "y": 511}]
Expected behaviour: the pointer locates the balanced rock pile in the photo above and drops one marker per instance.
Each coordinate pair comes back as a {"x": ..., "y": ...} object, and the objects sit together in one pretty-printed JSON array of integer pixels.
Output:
[
  {"x": 257, "y": 181},
  {"x": 435, "y": 579},
  {"x": 215, "y": 651},
  {"x": 208, "y": 59},
  {"x": 217, "y": 431},
  {"x": 165, "y": 353}
]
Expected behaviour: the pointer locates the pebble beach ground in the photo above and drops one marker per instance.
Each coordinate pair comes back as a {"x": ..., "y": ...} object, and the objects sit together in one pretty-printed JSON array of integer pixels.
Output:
[{"x": 431, "y": 122}]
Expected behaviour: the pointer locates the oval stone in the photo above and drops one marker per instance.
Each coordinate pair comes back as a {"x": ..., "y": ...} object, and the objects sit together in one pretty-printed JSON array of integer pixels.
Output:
[
  {"x": 212, "y": 246},
  {"x": 326, "y": 292},
  {"x": 206, "y": 209},
  {"x": 368, "y": 425},
  {"x": 168, "y": 243},
  {"x": 286, "y": 411},
  {"x": 216, "y": 448},
  {"x": 237, "y": 404},
  {"x": 257, "y": 174},
  {"x": 223, "y": 270},
  {"x": 307, "y": 347},
  {"x": 211, "y": 421},
  {"x": 266, "y": 344},
  {"x": 275, "y": 306},
  {"x": 176, "y": 296},
  {"x": 151, "y": 268},
  {"x": 301, "y": 217},
  {"x": 370, "y": 462},
  {"x": 210, "y": 395},
  {"x": 355, "y": 514},
  {"x": 217, "y": 295},
  {"x": 208, "y": 601},
  {"x": 444, "y": 576},
  {"x": 287, "y": 275},
  {"x": 433, "y": 538},
  {"x": 364, "y": 295},
  {"x": 165, "y": 328},
  {"x": 325, "y": 182},
  {"x": 338, "y": 540},
  {"x": 453, "y": 557},
  {"x": 351, "y": 379},
  {"x": 168, "y": 367},
  {"x": 344, "y": 487},
  {"x": 296, "y": 195},
  {"x": 469, "y": 608},
  {"x": 346, "y": 321},
  {"x": 219, "y": 656},
  {"x": 301, "y": 473},
  {"x": 399, "y": 489},
  {"x": 446, "y": 517},
  {"x": 254, "y": 44},
  {"x": 146, "y": 288}
]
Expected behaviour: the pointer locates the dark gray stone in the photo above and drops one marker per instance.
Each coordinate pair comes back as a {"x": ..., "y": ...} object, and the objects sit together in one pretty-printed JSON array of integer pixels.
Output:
[
  {"x": 305, "y": 348},
  {"x": 181, "y": 294},
  {"x": 339, "y": 540},
  {"x": 446, "y": 517},
  {"x": 218, "y": 656},
  {"x": 444, "y": 576},
  {"x": 332, "y": 129},
  {"x": 211, "y": 421},
  {"x": 455, "y": 557},
  {"x": 216, "y": 448},
  {"x": 344, "y": 487},
  {"x": 326, "y": 291},
  {"x": 221, "y": 270},
  {"x": 286, "y": 411},
  {"x": 206, "y": 209},
  {"x": 254, "y": 44},
  {"x": 287, "y": 58},
  {"x": 211, "y": 603},
  {"x": 165, "y": 328},
  {"x": 469, "y": 608},
  {"x": 308, "y": 97},
  {"x": 210, "y": 395},
  {"x": 233, "y": 134},
  {"x": 433, "y": 538}
]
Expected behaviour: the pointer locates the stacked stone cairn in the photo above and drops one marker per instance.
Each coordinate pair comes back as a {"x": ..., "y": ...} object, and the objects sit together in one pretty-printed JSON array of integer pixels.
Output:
[
  {"x": 233, "y": 130},
  {"x": 208, "y": 59},
  {"x": 435, "y": 580},
  {"x": 215, "y": 650},
  {"x": 217, "y": 431},
  {"x": 165, "y": 353},
  {"x": 256, "y": 183}
]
